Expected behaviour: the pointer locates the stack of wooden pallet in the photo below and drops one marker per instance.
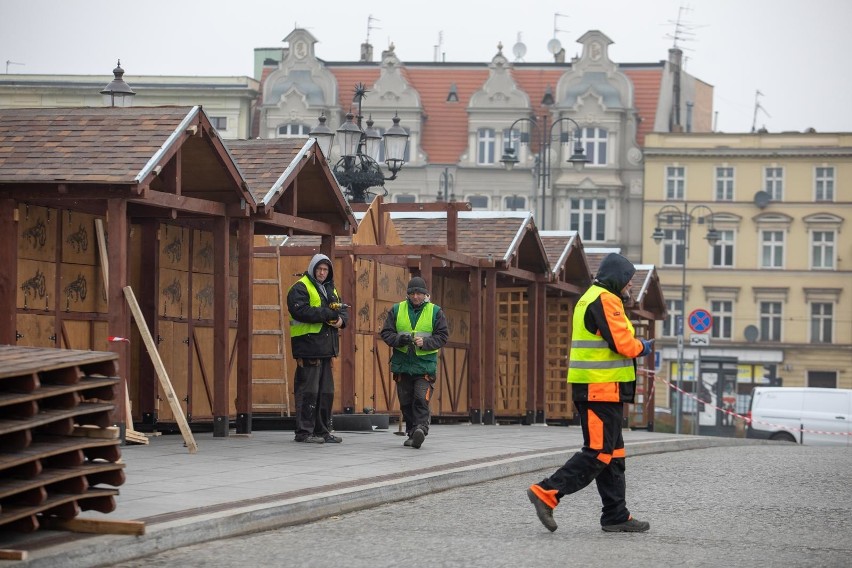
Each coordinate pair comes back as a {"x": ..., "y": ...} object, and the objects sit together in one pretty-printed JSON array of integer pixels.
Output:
[{"x": 59, "y": 454}]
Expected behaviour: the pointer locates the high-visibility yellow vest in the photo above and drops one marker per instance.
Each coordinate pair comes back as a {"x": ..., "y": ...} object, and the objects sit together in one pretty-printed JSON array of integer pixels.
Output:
[
  {"x": 591, "y": 360},
  {"x": 298, "y": 328},
  {"x": 424, "y": 324}
]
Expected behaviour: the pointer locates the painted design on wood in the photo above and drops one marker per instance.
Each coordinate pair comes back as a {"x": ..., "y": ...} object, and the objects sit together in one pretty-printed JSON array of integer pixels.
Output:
[
  {"x": 364, "y": 313},
  {"x": 205, "y": 298},
  {"x": 206, "y": 255},
  {"x": 173, "y": 292},
  {"x": 36, "y": 235},
  {"x": 34, "y": 287},
  {"x": 76, "y": 291},
  {"x": 364, "y": 278},
  {"x": 79, "y": 240},
  {"x": 173, "y": 249}
]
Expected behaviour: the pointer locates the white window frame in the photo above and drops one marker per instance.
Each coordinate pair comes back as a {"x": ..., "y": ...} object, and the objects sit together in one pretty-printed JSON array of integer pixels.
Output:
[
  {"x": 675, "y": 182},
  {"x": 672, "y": 247},
  {"x": 486, "y": 143},
  {"x": 515, "y": 200},
  {"x": 771, "y": 320},
  {"x": 773, "y": 182},
  {"x": 595, "y": 142},
  {"x": 217, "y": 120},
  {"x": 725, "y": 245},
  {"x": 824, "y": 183},
  {"x": 723, "y": 319},
  {"x": 587, "y": 216},
  {"x": 475, "y": 198},
  {"x": 303, "y": 130},
  {"x": 724, "y": 183},
  {"x": 773, "y": 247},
  {"x": 821, "y": 322},
  {"x": 405, "y": 198},
  {"x": 823, "y": 251},
  {"x": 674, "y": 308}
]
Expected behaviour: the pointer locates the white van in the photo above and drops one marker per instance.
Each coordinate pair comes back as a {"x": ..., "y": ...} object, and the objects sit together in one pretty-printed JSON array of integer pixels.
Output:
[{"x": 811, "y": 416}]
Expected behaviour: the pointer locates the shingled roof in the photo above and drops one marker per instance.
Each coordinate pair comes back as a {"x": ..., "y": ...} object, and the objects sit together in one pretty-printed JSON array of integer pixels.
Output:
[
  {"x": 108, "y": 148},
  {"x": 647, "y": 294},
  {"x": 504, "y": 237},
  {"x": 566, "y": 256},
  {"x": 274, "y": 167}
]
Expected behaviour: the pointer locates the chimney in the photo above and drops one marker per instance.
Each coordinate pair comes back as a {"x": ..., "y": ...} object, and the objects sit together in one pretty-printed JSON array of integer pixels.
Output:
[
  {"x": 675, "y": 60},
  {"x": 366, "y": 53}
]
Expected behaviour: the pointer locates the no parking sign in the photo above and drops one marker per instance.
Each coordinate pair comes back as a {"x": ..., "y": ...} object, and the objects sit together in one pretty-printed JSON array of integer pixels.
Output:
[{"x": 700, "y": 320}]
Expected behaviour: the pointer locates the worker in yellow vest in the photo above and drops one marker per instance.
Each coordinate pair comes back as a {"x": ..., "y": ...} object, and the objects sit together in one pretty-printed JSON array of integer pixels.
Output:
[
  {"x": 602, "y": 373},
  {"x": 314, "y": 341},
  {"x": 416, "y": 329}
]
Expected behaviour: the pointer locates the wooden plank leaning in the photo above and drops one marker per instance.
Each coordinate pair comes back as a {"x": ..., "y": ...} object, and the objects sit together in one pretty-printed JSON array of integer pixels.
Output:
[
  {"x": 165, "y": 382},
  {"x": 131, "y": 435}
]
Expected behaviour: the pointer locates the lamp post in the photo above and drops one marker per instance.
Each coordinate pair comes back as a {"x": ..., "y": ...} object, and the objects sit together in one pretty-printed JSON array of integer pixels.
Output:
[
  {"x": 681, "y": 220},
  {"x": 446, "y": 184},
  {"x": 118, "y": 89},
  {"x": 358, "y": 169},
  {"x": 578, "y": 158}
]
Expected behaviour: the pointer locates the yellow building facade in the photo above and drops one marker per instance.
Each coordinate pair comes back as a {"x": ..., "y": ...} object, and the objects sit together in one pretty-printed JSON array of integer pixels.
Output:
[{"x": 770, "y": 302}]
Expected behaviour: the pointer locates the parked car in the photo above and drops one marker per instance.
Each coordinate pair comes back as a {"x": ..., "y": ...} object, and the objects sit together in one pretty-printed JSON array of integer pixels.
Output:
[{"x": 810, "y": 416}]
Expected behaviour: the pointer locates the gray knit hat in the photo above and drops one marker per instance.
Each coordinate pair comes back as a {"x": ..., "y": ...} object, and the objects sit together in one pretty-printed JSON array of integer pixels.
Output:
[{"x": 417, "y": 284}]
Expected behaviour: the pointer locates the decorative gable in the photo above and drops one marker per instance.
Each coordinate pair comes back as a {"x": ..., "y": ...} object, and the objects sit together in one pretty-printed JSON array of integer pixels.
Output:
[{"x": 500, "y": 91}]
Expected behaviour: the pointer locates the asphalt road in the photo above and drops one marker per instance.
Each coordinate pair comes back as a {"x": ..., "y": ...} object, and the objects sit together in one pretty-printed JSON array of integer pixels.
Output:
[{"x": 752, "y": 506}]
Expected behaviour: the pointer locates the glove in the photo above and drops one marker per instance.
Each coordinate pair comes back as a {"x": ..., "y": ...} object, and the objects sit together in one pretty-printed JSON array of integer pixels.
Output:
[
  {"x": 328, "y": 314},
  {"x": 405, "y": 339},
  {"x": 647, "y": 345}
]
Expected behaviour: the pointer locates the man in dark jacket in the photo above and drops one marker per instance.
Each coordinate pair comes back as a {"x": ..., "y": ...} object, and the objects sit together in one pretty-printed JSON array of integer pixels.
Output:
[
  {"x": 602, "y": 373},
  {"x": 314, "y": 324},
  {"x": 416, "y": 329}
]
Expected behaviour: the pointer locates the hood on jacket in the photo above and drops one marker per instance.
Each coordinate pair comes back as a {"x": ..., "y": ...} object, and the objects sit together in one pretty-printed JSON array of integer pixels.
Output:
[
  {"x": 318, "y": 258},
  {"x": 614, "y": 273}
]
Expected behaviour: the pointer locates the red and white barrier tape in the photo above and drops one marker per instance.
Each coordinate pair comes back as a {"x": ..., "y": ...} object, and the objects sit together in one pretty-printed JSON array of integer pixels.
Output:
[{"x": 672, "y": 386}]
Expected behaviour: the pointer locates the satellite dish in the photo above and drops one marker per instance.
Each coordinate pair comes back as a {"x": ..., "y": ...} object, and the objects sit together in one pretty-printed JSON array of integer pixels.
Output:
[
  {"x": 751, "y": 333},
  {"x": 554, "y": 46},
  {"x": 519, "y": 49},
  {"x": 762, "y": 199}
]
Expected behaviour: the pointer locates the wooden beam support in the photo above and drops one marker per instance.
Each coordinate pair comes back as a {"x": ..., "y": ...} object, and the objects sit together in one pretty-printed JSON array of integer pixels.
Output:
[
  {"x": 283, "y": 220},
  {"x": 148, "y": 293},
  {"x": 489, "y": 351},
  {"x": 475, "y": 366},
  {"x": 245, "y": 324},
  {"x": 221, "y": 342},
  {"x": 181, "y": 203},
  {"x": 534, "y": 337},
  {"x": 119, "y": 316},
  {"x": 9, "y": 274},
  {"x": 346, "y": 283}
]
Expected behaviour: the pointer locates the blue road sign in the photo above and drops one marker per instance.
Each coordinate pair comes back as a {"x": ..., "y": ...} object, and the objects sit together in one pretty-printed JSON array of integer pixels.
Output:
[{"x": 700, "y": 320}]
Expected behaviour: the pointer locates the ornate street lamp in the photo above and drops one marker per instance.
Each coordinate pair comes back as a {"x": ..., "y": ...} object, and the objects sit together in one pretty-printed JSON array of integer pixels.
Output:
[
  {"x": 357, "y": 170},
  {"x": 674, "y": 216},
  {"x": 446, "y": 184},
  {"x": 578, "y": 158},
  {"x": 118, "y": 90}
]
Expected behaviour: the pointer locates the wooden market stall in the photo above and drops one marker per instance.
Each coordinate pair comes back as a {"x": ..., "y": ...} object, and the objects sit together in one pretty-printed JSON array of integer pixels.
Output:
[
  {"x": 297, "y": 197},
  {"x": 175, "y": 211}
]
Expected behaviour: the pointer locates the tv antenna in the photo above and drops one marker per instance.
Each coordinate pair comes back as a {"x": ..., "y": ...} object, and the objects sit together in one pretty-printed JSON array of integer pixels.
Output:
[
  {"x": 519, "y": 49},
  {"x": 683, "y": 30},
  {"x": 554, "y": 46},
  {"x": 370, "y": 26},
  {"x": 10, "y": 62},
  {"x": 757, "y": 107}
]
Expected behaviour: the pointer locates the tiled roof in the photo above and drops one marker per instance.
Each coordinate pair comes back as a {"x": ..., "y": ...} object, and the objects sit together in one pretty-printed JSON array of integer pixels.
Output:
[
  {"x": 444, "y": 134},
  {"x": 83, "y": 145},
  {"x": 263, "y": 161}
]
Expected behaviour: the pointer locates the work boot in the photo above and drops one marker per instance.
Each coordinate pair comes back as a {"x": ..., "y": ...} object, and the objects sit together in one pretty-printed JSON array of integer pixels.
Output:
[
  {"x": 408, "y": 443},
  {"x": 309, "y": 439},
  {"x": 542, "y": 510},
  {"x": 630, "y": 525},
  {"x": 417, "y": 438},
  {"x": 332, "y": 439}
]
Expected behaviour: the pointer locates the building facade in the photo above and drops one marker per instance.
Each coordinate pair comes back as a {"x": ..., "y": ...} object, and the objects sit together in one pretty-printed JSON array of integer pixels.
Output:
[
  {"x": 777, "y": 282},
  {"x": 462, "y": 116}
]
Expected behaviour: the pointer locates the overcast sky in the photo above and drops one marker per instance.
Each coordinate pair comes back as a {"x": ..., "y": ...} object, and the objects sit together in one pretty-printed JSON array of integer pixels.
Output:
[{"x": 795, "y": 52}]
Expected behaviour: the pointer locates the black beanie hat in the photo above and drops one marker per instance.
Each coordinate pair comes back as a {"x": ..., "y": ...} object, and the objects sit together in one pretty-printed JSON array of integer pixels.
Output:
[{"x": 417, "y": 284}]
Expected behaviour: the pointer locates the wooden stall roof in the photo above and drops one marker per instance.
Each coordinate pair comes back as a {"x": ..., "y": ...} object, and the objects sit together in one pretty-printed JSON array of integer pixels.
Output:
[
  {"x": 169, "y": 157},
  {"x": 648, "y": 302},
  {"x": 568, "y": 265},
  {"x": 293, "y": 186},
  {"x": 508, "y": 241}
]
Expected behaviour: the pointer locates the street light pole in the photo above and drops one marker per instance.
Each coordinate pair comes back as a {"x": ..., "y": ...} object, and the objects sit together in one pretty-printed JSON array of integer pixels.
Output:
[
  {"x": 684, "y": 221},
  {"x": 578, "y": 158}
]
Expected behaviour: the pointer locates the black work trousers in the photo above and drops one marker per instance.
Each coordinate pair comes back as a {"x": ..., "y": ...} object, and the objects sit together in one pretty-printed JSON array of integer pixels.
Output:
[
  {"x": 414, "y": 393},
  {"x": 314, "y": 390},
  {"x": 601, "y": 460}
]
